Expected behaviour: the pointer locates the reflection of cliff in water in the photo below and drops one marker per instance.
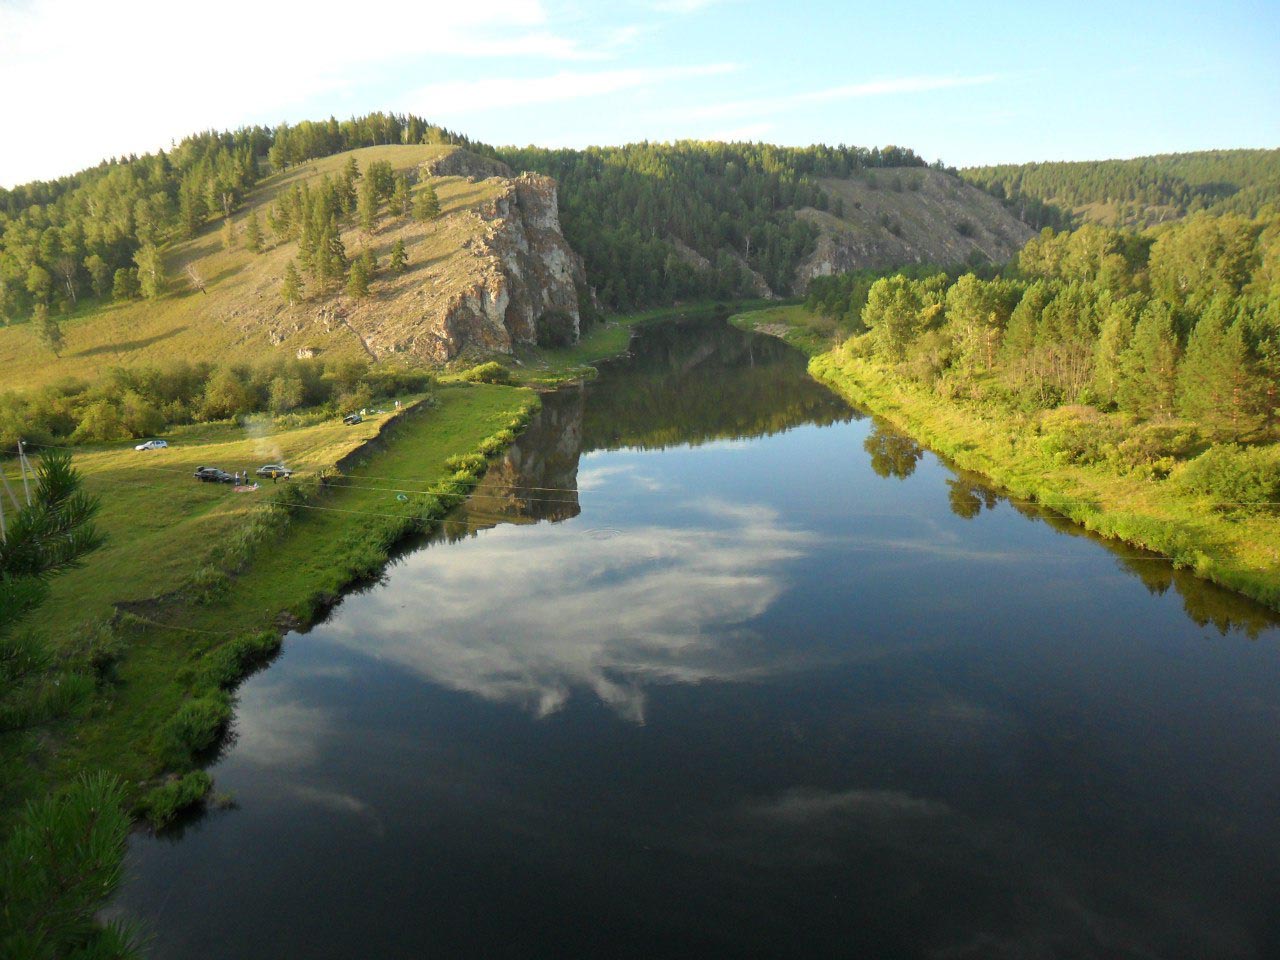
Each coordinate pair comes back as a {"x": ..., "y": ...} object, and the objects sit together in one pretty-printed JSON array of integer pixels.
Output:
[
  {"x": 536, "y": 478},
  {"x": 696, "y": 381}
]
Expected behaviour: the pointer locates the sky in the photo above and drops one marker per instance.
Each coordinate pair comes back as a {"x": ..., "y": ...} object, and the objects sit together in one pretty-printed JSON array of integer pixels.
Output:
[{"x": 969, "y": 83}]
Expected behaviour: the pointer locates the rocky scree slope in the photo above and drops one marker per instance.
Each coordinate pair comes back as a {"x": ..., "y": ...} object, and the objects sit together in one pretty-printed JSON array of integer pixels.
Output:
[{"x": 883, "y": 218}]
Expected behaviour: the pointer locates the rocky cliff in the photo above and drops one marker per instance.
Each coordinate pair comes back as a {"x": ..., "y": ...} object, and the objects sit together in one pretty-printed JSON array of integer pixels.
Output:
[{"x": 513, "y": 280}]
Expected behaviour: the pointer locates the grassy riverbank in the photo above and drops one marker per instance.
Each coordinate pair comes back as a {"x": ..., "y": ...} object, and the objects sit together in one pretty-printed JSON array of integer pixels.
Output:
[
  {"x": 1237, "y": 549},
  {"x": 198, "y": 582}
]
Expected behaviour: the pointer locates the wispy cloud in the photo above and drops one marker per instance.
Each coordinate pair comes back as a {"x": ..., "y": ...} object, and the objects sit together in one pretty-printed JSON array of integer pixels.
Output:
[
  {"x": 763, "y": 106},
  {"x": 682, "y": 6},
  {"x": 487, "y": 93}
]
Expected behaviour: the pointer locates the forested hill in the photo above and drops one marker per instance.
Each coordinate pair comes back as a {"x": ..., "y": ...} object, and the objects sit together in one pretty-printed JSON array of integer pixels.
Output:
[
  {"x": 667, "y": 222},
  {"x": 660, "y": 222},
  {"x": 1138, "y": 192}
]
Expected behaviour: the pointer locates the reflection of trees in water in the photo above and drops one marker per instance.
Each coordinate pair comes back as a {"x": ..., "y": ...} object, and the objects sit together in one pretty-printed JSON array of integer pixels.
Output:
[
  {"x": 967, "y": 496},
  {"x": 692, "y": 382},
  {"x": 1204, "y": 602},
  {"x": 893, "y": 454}
]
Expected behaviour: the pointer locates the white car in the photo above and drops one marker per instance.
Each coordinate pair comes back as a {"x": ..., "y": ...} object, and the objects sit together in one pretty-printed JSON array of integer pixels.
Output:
[{"x": 152, "y": 445}]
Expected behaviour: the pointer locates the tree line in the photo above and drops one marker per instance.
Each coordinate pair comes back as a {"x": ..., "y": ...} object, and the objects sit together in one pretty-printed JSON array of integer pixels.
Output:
[
  {"x": 1147, "y": 347},
  {"x": 1142, "y": 191},
  {"x": 143, "y": 401}
]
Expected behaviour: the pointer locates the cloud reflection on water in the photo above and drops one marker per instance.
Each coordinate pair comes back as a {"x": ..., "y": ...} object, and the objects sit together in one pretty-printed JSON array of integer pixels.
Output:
[{"x": 564, "y": 611}]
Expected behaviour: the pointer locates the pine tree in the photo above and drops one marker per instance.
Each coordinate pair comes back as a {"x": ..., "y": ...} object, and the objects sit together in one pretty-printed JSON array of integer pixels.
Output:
[
  {"x": 291, "y": 288},
  {"x": 1113, "y": 340},
  {"x": 370, "y": 263},
  {"x": 427, "y": 205},
  {"x": 47, "y": 329},
  {"x": 1216, "y": 384},
  {"x": 368, "y": 205},
  {"x": 1148, "y": 369},
  {"x": 398, "y": 260},
  {"x": 358, "y": 279},
  {"x": 228, "y": 234},
  {"x": 399, "y": 202},
  {"x": 253, "y": 233}
]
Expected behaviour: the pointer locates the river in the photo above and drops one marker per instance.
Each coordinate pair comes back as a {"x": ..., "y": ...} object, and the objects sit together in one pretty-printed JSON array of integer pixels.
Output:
[{"x": 713, "y": 665}]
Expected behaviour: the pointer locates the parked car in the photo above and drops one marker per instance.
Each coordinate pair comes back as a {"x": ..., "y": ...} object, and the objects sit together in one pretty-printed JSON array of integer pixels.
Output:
[
  {"x": 351, "y": 419},
  {"x": 213, "y": 475},
  {"x": 152, "y": 445},
  {"x": 274, "y": 470}
]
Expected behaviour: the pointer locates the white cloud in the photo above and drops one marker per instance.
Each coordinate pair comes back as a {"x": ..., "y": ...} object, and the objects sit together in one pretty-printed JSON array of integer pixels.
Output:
[
  {"x": 682, "y": 6},
  {"x": 89, "y": 80},
  {"x": 763, "y": 106},
  {"x": 488, "y": 93}
]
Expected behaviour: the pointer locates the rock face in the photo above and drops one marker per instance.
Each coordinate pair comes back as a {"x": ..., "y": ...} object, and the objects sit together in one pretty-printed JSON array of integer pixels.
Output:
[
  {"x": 531, "y": 277},
  {"x": 512, "y": 277}
]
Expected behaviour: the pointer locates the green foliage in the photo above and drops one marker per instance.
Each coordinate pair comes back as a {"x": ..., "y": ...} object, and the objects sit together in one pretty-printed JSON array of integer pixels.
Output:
[
  {"x": 291, "y": 286},
  {"x": 1235, "y": 477},
  {"x": 490, "y": 372},
  {"x": 48, "y": 329},
  {"x": 398, "y": 259},
  {"x": 253, "y": 233},
  {"x": 1142, "y": 191},
  {"x": 194, "y": 729},
  {"x": 358, "y": 279},
  {"x": 227, "y": 665},
  {"x": 62, "y": 860},
  {"x": 426, "y": 206},
  {"x": 161, "y": 805}
]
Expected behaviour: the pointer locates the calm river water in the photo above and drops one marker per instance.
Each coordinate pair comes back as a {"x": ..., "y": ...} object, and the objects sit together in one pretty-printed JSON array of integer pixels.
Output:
[{"x": 726, "y": 669}]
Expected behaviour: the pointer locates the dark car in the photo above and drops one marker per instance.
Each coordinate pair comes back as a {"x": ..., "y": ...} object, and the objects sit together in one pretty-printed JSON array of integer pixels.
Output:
[{"x": 213, "y": 475}]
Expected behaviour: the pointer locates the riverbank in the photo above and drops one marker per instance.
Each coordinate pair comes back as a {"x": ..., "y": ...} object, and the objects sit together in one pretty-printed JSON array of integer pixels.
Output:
[{"x": 1237, "y": 550}]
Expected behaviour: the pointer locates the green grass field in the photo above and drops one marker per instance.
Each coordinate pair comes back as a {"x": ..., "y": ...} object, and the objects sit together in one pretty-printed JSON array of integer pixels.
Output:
[{"x": 165, "y": 527}]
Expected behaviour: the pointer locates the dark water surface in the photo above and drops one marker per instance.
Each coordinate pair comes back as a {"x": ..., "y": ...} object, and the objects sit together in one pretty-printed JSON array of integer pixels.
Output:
[{"x": 727, "y": 670}]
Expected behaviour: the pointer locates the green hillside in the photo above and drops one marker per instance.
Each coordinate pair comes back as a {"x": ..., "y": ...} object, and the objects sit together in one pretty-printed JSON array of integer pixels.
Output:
[{"x": 1137, "y": 192}]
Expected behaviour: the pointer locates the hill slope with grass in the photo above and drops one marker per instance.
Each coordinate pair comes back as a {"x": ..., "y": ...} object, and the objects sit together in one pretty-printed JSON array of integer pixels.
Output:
[
  {"x": 887, "y": 218},
  {"x": 480, "y": 277}
]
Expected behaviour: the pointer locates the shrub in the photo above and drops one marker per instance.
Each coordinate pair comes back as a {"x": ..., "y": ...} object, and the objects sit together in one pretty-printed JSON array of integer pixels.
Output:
[
  {"x": 1237, "y": 477},
  {"x": 194, "y": 728},
  {"x": 227, "y": 666},
  {"x": 1154, "y": 449},
  {"x": 468, "y": 463},
  {"x": 491, "y": 372},
  {"x": 163, "y": 804},
  {"x": 1078, "y": 435}
]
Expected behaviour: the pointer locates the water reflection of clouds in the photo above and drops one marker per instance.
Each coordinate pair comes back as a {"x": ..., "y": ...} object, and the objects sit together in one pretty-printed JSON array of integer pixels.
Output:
[
  {"x": 271, "y": 732},
  {"x": 651, "y": 603},
  {"x": 593, "y": 478}
]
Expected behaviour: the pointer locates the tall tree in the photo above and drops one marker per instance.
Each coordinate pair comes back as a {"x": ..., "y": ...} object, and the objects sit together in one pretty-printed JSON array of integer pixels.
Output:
[
  {"x": 398, "y": 259},
  {"x": 47, "y": 329},
  {"x": 253, "y": 233},
  {"x": 151, "y": 275},
  {"x": 1149, "y": 367},
  {"x": 291, "y": 287}
]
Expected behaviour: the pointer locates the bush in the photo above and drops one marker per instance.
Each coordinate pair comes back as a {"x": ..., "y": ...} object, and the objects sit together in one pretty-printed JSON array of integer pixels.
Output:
[
  {"x": 163, "y": 804},
  {"x": 1154, "y": 449},
  {"x": 491, "y": 372},
  {"x": 227, "y": 666},
  {"x": 472, "y": 464},
  {"x": 1237, "y": 477},
  {"x": 194, "y": 728},
  {"x": 1079, "y": 435}
]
